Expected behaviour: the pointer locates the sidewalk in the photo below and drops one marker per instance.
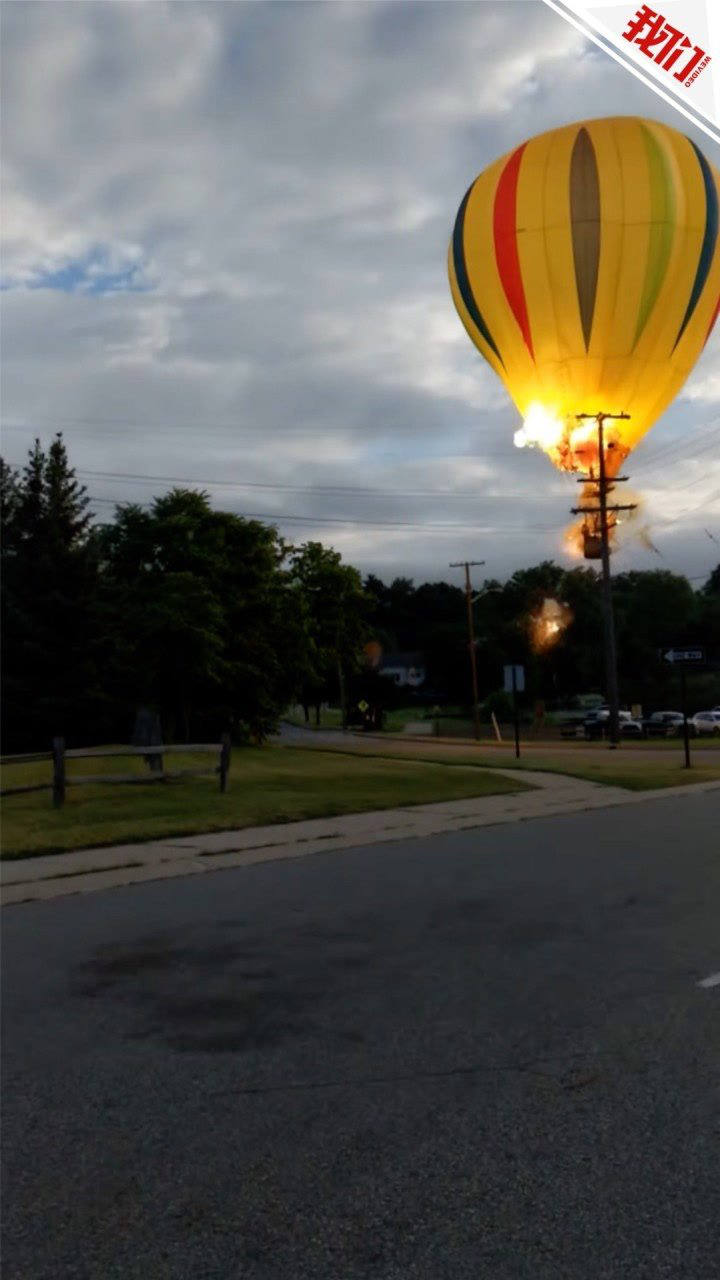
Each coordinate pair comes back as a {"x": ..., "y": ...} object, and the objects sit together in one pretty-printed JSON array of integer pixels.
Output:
[{"x": 88, "y": 870}]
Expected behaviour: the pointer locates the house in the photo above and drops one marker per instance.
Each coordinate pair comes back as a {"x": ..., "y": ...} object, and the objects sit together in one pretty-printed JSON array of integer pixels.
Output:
[{"x": 406, "y": 669}]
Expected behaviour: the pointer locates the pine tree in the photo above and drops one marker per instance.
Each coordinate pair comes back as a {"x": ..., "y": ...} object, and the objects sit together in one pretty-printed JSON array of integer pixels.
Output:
[
  {"x": 9, "y": 499},
  {"x": 66, "y": 501},
  {"x": 49, "y": 586}
]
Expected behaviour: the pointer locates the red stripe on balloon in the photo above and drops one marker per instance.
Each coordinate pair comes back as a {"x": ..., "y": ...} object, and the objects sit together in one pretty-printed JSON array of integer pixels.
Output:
[
  {"x": 712, "y": 322},
  {"x": 506, "y": 252}
]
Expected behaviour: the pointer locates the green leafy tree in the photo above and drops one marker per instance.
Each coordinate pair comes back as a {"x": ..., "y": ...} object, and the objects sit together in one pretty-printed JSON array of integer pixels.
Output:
[
  {"x": 199, "y": 609},
  {"x": 336, "y": 608}
]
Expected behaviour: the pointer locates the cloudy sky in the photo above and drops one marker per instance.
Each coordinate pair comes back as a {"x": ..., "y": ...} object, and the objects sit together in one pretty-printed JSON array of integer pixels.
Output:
[{"x": 225, "y": 229}]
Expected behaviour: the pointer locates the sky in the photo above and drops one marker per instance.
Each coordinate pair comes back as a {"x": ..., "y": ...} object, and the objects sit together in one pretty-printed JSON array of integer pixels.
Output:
[{"x": 225, "y": 229}]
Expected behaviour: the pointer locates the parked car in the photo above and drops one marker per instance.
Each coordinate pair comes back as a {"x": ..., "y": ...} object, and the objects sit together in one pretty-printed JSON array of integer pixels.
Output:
[
  {"x": 630, "y": 728},
  {"x": 705, "y": 722},
  {"x": 663, "y": 724},
  {"x": 595, "y": 724}
]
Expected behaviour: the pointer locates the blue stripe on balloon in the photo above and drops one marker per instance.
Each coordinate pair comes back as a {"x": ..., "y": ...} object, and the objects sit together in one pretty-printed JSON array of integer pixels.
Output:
[
  {"x": 461, "y": 274},
  {"x": 707, "y": 250}
]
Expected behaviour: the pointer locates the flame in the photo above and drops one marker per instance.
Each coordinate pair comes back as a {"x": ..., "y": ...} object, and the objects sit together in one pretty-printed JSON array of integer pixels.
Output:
[
  {"x": 540, "y": 427},
  {"x": 584, "y": 537},
  {"x": 574, "y": 541},
  {"x": 570, "y": 445},
  {"x": 547, "y": 624}
]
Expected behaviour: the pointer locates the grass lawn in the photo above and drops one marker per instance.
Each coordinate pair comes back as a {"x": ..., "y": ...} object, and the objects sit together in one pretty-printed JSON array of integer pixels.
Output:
[
  {"x": 619, "y": 771},
  {"x": 266, "y": 785},
  {"x": 330, "y": 718},
  {"x": 624, "y": 768}
]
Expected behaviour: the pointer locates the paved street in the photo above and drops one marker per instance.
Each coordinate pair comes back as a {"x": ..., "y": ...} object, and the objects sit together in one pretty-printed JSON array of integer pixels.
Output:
[
  {"x": 704, "y": 750},
  {"x": 481, "y": 1054}
]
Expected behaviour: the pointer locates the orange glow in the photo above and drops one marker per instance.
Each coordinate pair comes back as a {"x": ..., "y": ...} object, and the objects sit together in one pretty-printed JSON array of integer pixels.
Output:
[
  {"x": 548, "y": 623},
  {"x": 569, "y": 444},
  {"x": 583, "y": 536},
  {"x": 372, "y": 652}
]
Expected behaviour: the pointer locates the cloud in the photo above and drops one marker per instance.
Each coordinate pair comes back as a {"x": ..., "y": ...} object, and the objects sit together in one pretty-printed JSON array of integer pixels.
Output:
[{"x": 225, "y": 238}]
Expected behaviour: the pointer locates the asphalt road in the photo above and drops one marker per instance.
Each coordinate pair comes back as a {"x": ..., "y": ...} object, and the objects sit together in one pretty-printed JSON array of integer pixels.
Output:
[
  {"x": 484, "y": 1054},
  {"x": 704, "y": 750}
]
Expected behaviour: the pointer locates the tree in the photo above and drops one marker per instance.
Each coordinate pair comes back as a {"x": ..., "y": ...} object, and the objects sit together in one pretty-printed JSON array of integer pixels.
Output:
[
  {"x": 712, "y": 586},
  {"x": 50, "y": 667},
  {"x": 336, "y": 610},
  {"x": 9, "y": 502},
  {"x": 198, "y": 608}
]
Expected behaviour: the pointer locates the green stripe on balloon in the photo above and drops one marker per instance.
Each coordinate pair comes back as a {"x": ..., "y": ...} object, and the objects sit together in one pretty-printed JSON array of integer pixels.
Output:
[
  {"x": 585, "y": 223},
  {"x": 662, "y": 225},
  {"x": 463, "y": 280},
  {"x": 707, "y": 249}
]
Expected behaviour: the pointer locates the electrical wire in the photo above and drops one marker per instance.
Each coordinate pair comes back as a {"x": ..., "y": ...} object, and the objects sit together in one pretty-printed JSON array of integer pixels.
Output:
[
  {"x": 678, "y": 448},
  {"x": 124, "y": 477},
  {"x": 280, "y": 517}
]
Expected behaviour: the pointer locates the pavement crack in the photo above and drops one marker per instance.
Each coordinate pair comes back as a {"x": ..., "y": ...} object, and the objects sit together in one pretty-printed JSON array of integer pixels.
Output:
[{"x": 529, "y": 1067}]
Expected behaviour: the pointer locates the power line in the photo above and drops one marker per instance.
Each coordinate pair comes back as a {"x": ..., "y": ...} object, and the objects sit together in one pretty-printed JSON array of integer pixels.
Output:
[
  {"x": 263, "y": 431},
  {"x": 677, "y": 448},
  {"x": 200, "y": 423},
  {"x": 475, "y": 496},
  {"x": 671, "y": 450},
  {"x": 125, "y": 476},
  {"x": 691, "y": 510},
  {"x": 122, "y": 424},
  {"x": 280, "y": 517}
]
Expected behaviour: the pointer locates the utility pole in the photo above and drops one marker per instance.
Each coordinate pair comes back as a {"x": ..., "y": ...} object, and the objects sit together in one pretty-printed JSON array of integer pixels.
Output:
[
  {"x": 603, "y": 486},
  {"x": 467, "y": 565}
]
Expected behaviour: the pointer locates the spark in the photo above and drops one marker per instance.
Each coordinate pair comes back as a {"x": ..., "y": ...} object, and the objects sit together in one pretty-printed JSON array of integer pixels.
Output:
[{"x": 547, "y": 623}]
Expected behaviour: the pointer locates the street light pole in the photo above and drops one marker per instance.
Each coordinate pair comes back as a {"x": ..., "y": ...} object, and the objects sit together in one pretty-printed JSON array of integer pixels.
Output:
[{"x": 466, "y": 565}]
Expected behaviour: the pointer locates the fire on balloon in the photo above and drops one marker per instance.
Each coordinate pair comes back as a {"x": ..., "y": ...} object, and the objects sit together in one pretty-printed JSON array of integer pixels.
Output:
[
  {"x": 569, "y": 444},
  {"x": 547, "y": 624},
  {"x": 615, "y": 331},
  {"x": 573, "y": 447}
]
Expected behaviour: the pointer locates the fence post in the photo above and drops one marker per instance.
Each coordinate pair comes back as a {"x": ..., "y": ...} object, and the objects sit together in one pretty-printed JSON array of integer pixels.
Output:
[
  {"x": 224, "y": 761},
  {"x": 58, "y": 748}
]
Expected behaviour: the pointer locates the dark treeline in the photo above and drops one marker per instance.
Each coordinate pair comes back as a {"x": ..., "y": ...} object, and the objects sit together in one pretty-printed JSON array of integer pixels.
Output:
[
  {"x": 652, "y": 610},
  {"x": 216, "y": 622}
]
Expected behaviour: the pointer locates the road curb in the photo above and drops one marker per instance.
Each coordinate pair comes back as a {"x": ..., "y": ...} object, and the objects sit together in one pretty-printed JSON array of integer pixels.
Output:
[{"x": 92, "y": 870}]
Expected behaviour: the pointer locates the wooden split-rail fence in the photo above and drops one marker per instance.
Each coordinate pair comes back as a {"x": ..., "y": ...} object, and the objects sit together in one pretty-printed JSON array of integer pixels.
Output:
[{"x": 152, "y": 755}]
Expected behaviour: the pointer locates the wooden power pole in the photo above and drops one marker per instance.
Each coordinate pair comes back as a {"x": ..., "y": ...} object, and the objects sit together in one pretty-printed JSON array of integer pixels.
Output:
[
  {"x": 467, "y": 565},
  {"x": 603, "y": 486}
]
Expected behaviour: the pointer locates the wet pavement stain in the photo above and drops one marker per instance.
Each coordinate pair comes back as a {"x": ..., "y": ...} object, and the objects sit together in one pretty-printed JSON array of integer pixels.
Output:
[{"x": 223, "y": 996}]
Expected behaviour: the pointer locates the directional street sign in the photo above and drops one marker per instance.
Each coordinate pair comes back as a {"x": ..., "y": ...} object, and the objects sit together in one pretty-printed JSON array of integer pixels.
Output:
[{"x": 691, "y": 654}]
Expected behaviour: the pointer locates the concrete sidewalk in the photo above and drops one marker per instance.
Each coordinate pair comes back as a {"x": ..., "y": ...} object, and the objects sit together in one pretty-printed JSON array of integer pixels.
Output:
[{"x": 87, "y": 870}]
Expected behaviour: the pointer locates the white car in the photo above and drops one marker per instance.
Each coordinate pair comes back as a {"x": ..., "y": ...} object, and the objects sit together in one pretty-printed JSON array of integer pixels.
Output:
[{"x": 705, "y": 722}]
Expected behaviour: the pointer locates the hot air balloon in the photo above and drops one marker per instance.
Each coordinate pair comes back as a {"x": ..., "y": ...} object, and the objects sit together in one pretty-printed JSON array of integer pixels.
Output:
[{"x": 585, "y": 267}]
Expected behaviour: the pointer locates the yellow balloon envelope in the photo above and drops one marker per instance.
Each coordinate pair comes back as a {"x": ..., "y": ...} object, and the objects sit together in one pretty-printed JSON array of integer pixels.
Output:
[{"x": 585, "y": 267}]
